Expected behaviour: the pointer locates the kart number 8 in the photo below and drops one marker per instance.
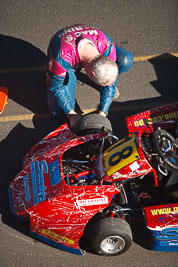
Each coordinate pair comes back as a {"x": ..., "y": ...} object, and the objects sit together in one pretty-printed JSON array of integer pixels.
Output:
[{"x": 120, "y": 154}]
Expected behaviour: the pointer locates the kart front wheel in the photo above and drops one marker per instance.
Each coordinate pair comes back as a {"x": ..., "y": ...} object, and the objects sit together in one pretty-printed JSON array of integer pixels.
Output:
[{"x": 111, "y": 237}]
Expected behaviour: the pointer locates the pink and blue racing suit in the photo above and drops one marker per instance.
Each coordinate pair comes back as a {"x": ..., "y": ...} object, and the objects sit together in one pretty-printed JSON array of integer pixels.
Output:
[{"x": 64, "y": 57}]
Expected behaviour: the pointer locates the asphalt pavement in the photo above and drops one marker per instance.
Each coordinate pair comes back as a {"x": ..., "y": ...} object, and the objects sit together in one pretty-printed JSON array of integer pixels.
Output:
[{"x": 148, "y": 29}]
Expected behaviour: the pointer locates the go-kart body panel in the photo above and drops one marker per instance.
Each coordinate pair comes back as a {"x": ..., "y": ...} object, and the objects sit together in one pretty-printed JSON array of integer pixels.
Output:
[
  {"x": 164, "y": 116},
  {"x": 58, "y": 212},
  {"x": 162, "y": 222}
]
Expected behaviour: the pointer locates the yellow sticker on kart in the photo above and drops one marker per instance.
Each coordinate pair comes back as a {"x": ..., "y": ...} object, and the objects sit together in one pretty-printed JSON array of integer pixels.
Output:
[{"x": 121, "y": 154}]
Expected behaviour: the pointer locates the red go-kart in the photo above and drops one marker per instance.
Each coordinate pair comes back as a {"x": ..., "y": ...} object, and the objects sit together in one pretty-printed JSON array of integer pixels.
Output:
[{"x": 87, "y": 187}]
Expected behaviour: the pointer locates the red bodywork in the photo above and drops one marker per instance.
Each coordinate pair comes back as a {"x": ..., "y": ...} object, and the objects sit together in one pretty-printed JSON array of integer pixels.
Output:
[
  {"x": 164, "y": 116},
  {"x": 58, "y": 212}
]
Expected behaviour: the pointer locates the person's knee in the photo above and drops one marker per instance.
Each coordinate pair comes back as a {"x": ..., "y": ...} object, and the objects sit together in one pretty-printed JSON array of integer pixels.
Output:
[
  {"x": 127, "y": 62},
  {"x": 124, "y": 59}
]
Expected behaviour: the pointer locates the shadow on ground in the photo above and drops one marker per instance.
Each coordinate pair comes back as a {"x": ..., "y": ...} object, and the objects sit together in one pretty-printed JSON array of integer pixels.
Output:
[
  {"x": 28, "y": 90},
  {"x": 166, "y": 68},
  {"x": 21, "y": 71}
]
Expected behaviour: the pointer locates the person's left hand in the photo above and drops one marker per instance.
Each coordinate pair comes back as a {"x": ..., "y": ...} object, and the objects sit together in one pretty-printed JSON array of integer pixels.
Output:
[{"x": 101, "y": 113}]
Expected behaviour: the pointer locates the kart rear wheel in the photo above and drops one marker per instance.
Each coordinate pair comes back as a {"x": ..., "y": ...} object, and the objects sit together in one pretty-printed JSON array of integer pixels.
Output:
[
  {"x": 92, "y": 123},
  {"x": 111, "y": 237}
]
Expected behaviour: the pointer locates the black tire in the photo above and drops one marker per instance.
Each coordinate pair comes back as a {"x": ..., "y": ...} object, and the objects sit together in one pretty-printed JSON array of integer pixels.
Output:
[
  {"x": 111, "y": 237},
  {"x": 91, "y": 123}
]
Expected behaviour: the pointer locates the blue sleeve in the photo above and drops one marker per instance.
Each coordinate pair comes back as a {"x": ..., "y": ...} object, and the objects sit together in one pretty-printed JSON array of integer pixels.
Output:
[
  {"x": 106, "y": 96},
  {"x": 109, "y": 50},
  {"x": 57, "y": 88}
]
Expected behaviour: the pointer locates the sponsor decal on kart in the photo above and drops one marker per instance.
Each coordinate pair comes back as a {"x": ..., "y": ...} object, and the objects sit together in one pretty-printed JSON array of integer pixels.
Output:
[
  {"x": 160, "y": 118},
  {"x": 91, "y": 202},
  {"x": 56, "y": 236},
  {"x": 37, "y": 171},
  {"x": 162, "y": 223},
  {"x": 168, "y": 237},
  {"x": 26, "y": 186},
  {"x": 169, "y": 210}
]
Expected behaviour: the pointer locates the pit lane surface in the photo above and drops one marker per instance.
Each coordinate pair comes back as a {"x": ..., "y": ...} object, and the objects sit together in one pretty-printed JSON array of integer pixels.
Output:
[{"x": 148, "y": 29}]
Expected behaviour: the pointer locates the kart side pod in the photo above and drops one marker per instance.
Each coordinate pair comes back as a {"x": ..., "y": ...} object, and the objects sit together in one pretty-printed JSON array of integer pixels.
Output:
[{"x": 162, "y": 224}]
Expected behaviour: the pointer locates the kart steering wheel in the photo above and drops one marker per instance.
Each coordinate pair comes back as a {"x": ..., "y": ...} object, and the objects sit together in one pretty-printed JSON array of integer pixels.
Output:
[{"x": 166, "y": 146}]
